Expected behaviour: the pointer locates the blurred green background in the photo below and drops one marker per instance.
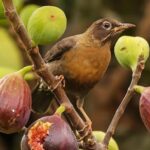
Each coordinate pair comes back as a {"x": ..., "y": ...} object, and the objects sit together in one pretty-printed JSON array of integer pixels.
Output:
[{"x": 103, "y": 100}]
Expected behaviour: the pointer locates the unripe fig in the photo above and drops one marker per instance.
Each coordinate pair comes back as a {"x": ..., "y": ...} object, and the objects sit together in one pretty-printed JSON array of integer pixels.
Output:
[
  {"x": 46, "y": 24},
  {"x": 10, "y": 55},
  {"x": 128, "y": 49},
  {"x": 144, "y": 105},
  {"x": 15, "y": 103},
  {"x": 26, "y": 12},
  {"x": 49, "y": 133},
  {"x": 99, "y": 135}
]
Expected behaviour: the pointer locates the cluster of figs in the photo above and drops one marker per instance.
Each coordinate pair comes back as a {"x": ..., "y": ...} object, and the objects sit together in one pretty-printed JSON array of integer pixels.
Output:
[
  {"x": 49, "y": 132},
  {"x": 45, "y": 25}
]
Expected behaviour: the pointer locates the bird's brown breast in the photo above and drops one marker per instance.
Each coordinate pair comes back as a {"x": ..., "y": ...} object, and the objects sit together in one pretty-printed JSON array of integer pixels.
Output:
[{"x": 86, "y": 65}]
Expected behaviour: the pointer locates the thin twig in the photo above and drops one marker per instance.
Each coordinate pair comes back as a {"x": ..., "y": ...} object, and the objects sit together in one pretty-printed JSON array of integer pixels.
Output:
[
  {"x": 120, "y": 111},
  {"x": 42, "y": 70}
]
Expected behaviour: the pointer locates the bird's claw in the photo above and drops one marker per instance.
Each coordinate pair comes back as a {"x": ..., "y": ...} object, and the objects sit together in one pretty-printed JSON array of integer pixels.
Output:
[
  {"x": 62, "y": 80},
  {"x": 85, "y": 131},
  {"x": 58, "y": 80},
  {"x": 43, "y": 86}
]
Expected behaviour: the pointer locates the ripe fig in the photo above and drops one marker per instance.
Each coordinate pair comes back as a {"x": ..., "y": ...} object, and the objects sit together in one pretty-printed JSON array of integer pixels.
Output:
[
  {"x": 46, "y": 25},
  {"x": 99, "y": 135},
  {"x": 144, "y": 105},
  {"x": 15, "y": 103},
  {"x": 26, "y": 12},
  {"x": 128, "y": 49},
  {"x": 49, "y": 133}
]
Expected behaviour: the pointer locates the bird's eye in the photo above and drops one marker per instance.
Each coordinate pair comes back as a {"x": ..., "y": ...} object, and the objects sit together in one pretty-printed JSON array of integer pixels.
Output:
[{"x": 107, "y": 25}]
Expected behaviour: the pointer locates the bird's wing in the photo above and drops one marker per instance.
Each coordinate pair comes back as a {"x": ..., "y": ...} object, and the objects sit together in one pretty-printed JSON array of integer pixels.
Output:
[{"x": 57, "y": 51}]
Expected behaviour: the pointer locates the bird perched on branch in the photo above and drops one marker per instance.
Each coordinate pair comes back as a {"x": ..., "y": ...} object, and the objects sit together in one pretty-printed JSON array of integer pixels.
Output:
[{"x": 83, "y": 59}]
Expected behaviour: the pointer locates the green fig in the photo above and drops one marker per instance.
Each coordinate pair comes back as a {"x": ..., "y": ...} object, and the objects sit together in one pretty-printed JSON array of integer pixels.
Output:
[
  {"x": 10, "y": 56},
  {"x": 46, "y": 25},
  {"x": 99, "y": 135},
  {"x": 128, "y": 49},
  {"x": 26, "y": 12},
  {"x": 18, "y": 4}
]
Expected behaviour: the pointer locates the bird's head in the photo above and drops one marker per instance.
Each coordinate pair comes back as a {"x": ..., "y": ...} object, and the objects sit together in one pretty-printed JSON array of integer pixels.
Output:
[{"x": 106, "y": 29}]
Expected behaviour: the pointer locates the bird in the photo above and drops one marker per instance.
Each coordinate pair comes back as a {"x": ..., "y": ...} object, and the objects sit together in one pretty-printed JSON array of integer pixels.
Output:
[{"x": 84, "y": 58}]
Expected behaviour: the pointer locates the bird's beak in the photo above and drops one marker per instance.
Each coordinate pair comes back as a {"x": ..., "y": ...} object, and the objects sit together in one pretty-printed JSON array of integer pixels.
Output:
[{"x": 123, "y": 26}]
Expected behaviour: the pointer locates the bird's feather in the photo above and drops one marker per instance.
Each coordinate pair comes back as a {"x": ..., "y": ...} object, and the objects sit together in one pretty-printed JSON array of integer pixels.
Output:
[{"x": 57, "y": 51}]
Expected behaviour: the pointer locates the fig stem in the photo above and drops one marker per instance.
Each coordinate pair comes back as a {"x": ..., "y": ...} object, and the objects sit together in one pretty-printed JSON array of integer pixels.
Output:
[
  {"x": 139, "y": 89},
  {"x": 25, "y": 70},
  {"x": 60, "y": 110}
]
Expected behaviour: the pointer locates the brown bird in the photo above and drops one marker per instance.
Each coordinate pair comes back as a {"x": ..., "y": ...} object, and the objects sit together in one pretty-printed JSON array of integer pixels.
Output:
[{"x": 83, "y": 59}]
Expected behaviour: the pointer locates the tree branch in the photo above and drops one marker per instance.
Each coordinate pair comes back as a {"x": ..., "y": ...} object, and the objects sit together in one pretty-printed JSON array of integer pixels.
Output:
[
  {"x": 120, "y": 111},
  {"x": 42, "y": 70}
]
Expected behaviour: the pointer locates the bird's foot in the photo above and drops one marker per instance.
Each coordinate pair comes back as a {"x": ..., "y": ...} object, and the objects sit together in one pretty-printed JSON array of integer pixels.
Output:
[
  {"x": 83, "y": 133},
  {"x": 83, "y": 113},
  {"x": 58, "y": 80},
  {"x": 88, "y": 123},
  {"x": 42, "y": 86}
]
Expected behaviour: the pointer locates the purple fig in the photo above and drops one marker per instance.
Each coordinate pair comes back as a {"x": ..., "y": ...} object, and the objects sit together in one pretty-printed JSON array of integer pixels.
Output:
[
  {"x": 145, "y": 107},
  {"x": 15, "y": 103},
  {"x": 49, "y": 133}
]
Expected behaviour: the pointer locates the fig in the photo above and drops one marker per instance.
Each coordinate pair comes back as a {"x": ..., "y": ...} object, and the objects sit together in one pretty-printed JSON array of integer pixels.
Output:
[
  {"x": 49, "y": 133},
  {"x": 46, "y": 25},
  {"x": 15, "y": 102},
  {"x": 99, "y": 135},
  {"x": 26, "y": 12},
  {"x": 144, "y": 105},
  {"x": 128, "y": 49},
  {"x": 10, "y": 55},
  {"x": 18, "y": 4}
]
